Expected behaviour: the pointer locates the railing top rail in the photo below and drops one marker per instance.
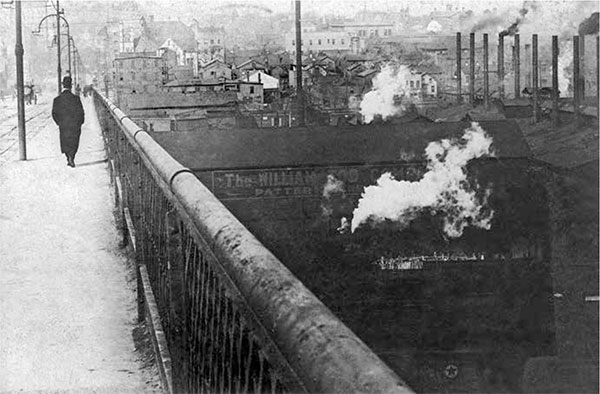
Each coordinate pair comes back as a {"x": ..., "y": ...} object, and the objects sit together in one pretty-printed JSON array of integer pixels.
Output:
[{"x": 325, "y": 354}]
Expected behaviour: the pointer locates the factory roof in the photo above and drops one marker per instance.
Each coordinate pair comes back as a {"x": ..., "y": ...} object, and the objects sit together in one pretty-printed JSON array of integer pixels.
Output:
[{"x": 326, "y": 145}]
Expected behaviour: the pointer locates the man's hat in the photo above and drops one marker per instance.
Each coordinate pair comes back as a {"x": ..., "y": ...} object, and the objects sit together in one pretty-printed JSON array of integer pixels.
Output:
[{"x": 67, "y": 82}]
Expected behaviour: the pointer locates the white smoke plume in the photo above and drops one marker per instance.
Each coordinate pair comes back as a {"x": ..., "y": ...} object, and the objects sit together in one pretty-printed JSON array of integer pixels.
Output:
[
  {"x": 389, "y": 90},
  {"x": 444, "y": 188},
  {"x": 332, "y": 186},
  {"x": 565, "y": 68}
]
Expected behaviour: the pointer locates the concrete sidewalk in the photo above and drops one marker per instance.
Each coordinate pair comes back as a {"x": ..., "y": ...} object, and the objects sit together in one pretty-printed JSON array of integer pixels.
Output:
[{"x": 67, "y": 301}]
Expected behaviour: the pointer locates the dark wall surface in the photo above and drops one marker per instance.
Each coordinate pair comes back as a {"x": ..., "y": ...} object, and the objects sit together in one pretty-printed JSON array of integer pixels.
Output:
[{"x": 448, "y": 325}]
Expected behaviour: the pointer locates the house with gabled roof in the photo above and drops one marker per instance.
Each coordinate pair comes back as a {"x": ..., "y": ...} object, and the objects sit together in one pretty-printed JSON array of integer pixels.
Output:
[
  {"x": 214, "y": 69},
  {"x": 250, "y": 65}
]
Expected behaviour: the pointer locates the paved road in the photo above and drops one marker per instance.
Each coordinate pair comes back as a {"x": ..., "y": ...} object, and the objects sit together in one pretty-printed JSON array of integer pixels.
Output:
[{"x": 67, "y": 299}]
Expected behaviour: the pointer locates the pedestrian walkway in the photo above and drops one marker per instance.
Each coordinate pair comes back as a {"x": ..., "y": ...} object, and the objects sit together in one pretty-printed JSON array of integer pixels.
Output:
[{"x": 67, "y": 301}]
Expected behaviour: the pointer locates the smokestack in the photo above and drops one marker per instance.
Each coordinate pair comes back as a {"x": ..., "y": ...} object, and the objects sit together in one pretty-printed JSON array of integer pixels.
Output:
[
  {"x": 486, "y": 76},
  {"x": 472, "y": 69},
  {"x": 517, "y": 65},
  {"x": 576, "y": 85},
  {"x": 458, "y": 68},
  {"x": 528, "y": 62},
  {"x": 501, "y": 65},
  {"x": 555, "y": 94},
  {"x": 299, "y": 91},
  {"x": 582, "y": 65},
  {"x": 598, "y": 71},
  {"x": 534, "y": 67}
]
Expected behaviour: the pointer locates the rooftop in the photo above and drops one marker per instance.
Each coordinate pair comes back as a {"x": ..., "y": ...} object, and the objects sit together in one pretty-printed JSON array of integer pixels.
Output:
[{"x": 323, "y": 145}]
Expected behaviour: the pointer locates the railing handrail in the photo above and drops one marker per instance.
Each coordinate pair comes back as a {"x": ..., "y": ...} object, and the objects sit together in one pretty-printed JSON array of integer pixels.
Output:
[{"x": 322, "y": 351}]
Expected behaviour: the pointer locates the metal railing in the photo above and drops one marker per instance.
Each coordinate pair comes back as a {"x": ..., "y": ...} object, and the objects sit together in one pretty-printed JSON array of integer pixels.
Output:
[{"x": 235, "y": 318}]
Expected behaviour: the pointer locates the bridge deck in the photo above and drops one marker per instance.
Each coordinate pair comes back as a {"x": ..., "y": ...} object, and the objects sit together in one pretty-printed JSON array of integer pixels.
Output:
[{"x": 67, "y": 299}]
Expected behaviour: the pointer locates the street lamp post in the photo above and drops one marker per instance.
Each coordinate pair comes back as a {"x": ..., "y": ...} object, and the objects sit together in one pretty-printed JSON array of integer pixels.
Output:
[
  {"x": 58, "y": 16},
  {"x": 20, "y": 89}
]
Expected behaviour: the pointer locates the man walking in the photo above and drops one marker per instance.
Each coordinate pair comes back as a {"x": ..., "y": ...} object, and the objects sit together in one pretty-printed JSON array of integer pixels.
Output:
[{"x": 67, "y": 112}]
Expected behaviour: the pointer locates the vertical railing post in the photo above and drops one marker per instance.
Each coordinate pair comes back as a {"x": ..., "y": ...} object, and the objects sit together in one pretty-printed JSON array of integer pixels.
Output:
[{"x": 174, "y": 259}]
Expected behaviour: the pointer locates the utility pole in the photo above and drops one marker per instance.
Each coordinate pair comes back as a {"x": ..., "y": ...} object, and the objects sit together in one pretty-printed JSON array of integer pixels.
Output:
[
  {"x": 58, "y": 45},
  {"x": 20, "y": 93}
]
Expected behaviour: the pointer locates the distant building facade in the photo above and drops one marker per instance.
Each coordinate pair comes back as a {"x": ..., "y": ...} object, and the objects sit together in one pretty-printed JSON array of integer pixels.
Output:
[
  {"x": 316, "y": 41},
  {"x": 138, "y": 74}
]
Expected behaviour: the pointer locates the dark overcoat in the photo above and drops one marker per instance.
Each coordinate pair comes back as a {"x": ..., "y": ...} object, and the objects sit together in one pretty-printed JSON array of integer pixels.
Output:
[{"x": 67, "y": 112}]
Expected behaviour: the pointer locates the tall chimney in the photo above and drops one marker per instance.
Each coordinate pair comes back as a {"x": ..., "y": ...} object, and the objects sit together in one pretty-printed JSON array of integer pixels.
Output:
[
  {"x": 534, "y": 68},
  {"x": 517, "y": 65},
  {"x": 582, "y": 66},
  {"x": 299, "y": 90},
  {"x": 472, "y": 69},
  {"x": 555, "y": 93},
  {"x": 458, "y": 69},
  {"x": 528, "y": 63},
  {"x": 501, "y": 65},
  {"x": 576, "y": 84},
  {"x": 598, "y": 70},
  {"x": 486, "y": 76}
]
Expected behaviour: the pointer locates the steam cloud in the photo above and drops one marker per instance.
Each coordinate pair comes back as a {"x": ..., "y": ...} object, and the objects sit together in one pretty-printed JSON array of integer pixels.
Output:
[
  {"x": 387, "y": 93},
  {"x": 333, "y": 187},
  {"x": 444, "y": 188},
  {"x": 565, "y": 68}
]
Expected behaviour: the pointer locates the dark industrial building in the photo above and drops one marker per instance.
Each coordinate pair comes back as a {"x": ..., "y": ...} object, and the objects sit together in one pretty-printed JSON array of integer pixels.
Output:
[{"x": 450, "y": 323}]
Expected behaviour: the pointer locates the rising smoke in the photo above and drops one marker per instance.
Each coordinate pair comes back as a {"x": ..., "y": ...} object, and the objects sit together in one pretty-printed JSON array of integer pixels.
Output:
[
  {"x": 333, "y": 189},
  {"x": 565, "y": 68},
  {"x": 443, "y": 190},
  {"x": 333, "y": 186},
  {"x": 389, "y": 93},
  {"x": 589, "y": 25},
  {"x": 514, "y": 27}
]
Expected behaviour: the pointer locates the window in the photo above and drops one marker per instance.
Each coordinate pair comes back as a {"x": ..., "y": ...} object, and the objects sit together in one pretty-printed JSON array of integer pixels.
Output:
[
  {"x": 293, "y": 42},
  {"x": 418, "y": 84},
  {"x": 218, "y": 41},
  {"x": 328, "y": 41},
  {"x": 212, "y": 42},
  {"x": 342, "y": 41},
  {"x": 309, "y": 42},
  {"x": 319, "y": 41},
  {"x": 432, "y": 89},
  {"x": 333, "y": 41},
  {"x": 251, "y": 89},
  {"x": 412, "y": 84}
]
